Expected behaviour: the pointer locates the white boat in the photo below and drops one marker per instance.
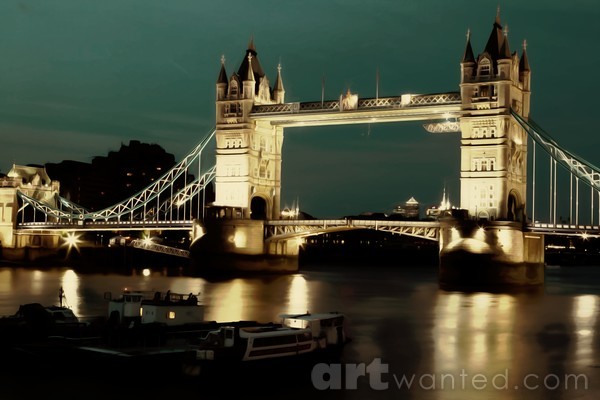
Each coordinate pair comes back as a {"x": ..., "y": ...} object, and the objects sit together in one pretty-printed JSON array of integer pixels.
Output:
[
  {"x": 297, "y": 335},
  {"x": 147, "y": 307},
  {"x": 328, "y": 329}
]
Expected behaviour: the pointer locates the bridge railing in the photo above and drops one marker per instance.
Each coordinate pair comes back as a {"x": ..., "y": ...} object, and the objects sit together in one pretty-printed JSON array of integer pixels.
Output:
[
  {"x": 99, "y": 225},
  {"x": 406, "y": 100}
]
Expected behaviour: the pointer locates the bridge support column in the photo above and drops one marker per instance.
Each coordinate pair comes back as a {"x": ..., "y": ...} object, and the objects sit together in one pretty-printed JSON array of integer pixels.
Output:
[
  {"x": 492, "y": 254},
  {"x": 284, "y": 247},
  {"x": 238, "y": 245},
  {"x": 8, "y": 216}
]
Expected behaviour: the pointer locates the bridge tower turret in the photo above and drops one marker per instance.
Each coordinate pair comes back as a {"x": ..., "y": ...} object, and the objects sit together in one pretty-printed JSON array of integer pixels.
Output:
[
  {"x": 248, "y": 153},
  {"x": 493, "y": 145}
]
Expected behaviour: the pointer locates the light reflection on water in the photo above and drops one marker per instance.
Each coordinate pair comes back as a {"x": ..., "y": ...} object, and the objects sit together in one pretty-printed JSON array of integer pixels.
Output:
[{"x": 398, "y": 315}]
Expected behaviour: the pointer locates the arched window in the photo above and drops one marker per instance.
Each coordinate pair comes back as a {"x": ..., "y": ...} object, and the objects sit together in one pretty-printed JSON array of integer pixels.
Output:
[{"x": 485, "y": 67}]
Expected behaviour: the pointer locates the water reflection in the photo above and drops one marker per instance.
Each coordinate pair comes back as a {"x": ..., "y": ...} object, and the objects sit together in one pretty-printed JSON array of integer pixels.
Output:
[
  {"x": 226, "y": 302},
  {"x": 585, "y": 319},
  {"x": 70, "y": 285},
  {"x": 472, "y": 331},
  {"x": 401, "y": 316},
  {"x": 297, "y": 299}
]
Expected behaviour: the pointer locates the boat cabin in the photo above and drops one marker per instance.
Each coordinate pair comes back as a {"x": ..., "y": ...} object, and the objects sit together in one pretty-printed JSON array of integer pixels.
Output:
[
  {"x": 327, "y": 328},
  {"x": 254, "y": 343},
  {"x": 148, "y": 307}
]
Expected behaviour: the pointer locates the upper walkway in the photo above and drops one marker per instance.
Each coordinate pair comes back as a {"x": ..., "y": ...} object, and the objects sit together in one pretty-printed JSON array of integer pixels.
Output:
[{"x": 352, "y": 110}]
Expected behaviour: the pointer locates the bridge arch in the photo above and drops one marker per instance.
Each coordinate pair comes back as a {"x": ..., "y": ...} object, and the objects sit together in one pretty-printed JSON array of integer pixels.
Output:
[
  {"x": 515, "y": 211},
  {"x": 259, "y": 207}
]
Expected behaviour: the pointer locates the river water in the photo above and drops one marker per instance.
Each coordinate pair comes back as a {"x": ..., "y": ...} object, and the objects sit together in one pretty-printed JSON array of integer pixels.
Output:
[{"x": 410, "y": 339}]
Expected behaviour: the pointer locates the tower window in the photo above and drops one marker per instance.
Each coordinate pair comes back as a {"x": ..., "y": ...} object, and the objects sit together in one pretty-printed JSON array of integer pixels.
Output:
[
  {"x": 233, "y": 88},
  {"x": 232, "y": 109},
  {"x": 263, "y": 145},
  {"x": 485, "y": 67}
]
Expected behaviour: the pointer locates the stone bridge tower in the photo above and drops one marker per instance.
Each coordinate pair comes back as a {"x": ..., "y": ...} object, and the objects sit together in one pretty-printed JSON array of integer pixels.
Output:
[
  {"x": 248, "y": 153},
  {"x": 493, "y": 146}
]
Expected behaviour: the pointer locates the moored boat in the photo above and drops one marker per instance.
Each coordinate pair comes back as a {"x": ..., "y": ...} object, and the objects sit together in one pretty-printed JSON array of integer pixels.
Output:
[
  {"x": 305, "y": 336},
  {"x": 153, "y": 307}
]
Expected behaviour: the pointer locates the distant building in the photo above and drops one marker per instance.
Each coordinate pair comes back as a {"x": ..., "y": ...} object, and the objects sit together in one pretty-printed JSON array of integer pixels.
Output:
[
  {"x": 32, "y": 181},
  {"x": 409, "y": 210},
  {"x": 108, "y": 180},
  {"x": 443, "y": 209}
]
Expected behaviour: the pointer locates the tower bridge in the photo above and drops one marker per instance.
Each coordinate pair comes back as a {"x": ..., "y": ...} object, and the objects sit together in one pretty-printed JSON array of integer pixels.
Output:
[{"x": 490, "y": 112}]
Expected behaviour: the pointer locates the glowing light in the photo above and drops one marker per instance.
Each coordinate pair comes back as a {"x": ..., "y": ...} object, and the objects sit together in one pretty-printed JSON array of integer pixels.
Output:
[
  {"x": 71, "y": 240},
  {"x": 584, "y": 236},
  {"x": 147, "y": 241},
  {"x": 299, "y": 241},
  {"x": 239, "y": 239},
  {"x": 479, "y": 234},
  {"x": 146, "y": 272},
  {"x": 505, "y": 240}
]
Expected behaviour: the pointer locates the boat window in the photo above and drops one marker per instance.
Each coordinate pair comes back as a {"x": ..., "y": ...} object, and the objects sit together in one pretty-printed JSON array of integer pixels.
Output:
[
  {"x": 274, "y": 340},
  {"x": 228, "y": 334}
]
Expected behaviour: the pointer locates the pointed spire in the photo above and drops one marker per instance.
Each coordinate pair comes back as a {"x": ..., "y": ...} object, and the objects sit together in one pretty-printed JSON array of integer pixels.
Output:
[
  {"x": 278, "y": 90},
  {"x": 498, "y": 14},
  {"x": 496, "y": 39},
  {"x": 245, "y": 65},
  {"x": 279, "y": 81},
  {"x": 505, "y": 51},
  {"x": 468, "y": 56},
  {"x": 251, "y": 44},
  {"x": 222, "y": 74},
  {"x": 250, "y": 72},
  {"x": 524, "y": 63}
]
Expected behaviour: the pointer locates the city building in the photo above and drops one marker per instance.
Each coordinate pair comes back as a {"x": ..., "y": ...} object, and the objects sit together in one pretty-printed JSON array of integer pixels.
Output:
[
  {"x": 109, "y": 179},
  {"x": 409, "y": 210}
]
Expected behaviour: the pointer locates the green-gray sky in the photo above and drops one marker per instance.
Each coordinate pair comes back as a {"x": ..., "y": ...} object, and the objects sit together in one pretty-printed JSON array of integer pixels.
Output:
[{"x": 79, "y": 77}]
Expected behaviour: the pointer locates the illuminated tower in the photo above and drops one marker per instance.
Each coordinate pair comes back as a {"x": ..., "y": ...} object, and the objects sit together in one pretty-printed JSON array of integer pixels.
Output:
[
  {"x": 493, "y": 145},
  {"x": 248, "y": 153}
]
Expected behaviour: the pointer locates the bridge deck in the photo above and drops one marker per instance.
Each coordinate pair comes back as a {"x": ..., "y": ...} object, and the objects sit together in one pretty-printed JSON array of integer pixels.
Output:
[
  {"x": 284, "y": 229},
  {"x": 385, "y": 109},
  {"x": 67, "y": 226}
]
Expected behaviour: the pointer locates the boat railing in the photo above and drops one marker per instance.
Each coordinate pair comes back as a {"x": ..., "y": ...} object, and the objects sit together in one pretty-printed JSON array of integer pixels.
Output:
[{"x": 155, "y": 297}]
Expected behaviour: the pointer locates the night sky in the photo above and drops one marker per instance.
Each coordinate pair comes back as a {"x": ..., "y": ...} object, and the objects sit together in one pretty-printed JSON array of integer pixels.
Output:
[{"x": 80, "y": 77}]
